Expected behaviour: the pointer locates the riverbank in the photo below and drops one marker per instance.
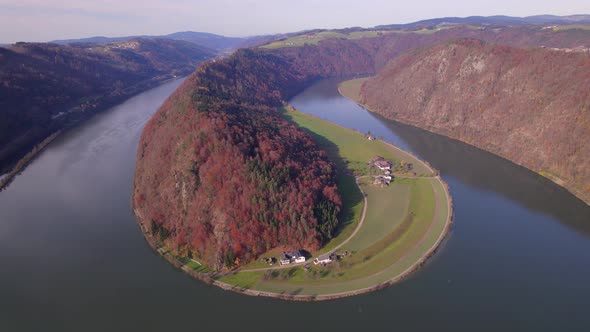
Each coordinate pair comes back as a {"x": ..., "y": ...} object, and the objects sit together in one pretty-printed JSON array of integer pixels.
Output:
[
  {"x": 404, "y": 225},
  {"x": 80, "y": 117},
  {"x": 351, "y": 90},
  {"x": 7, "y": 178}
]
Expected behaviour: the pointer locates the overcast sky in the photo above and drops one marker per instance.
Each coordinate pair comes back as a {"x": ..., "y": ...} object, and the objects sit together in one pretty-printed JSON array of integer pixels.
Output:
[{"x": 43, "y": 20}]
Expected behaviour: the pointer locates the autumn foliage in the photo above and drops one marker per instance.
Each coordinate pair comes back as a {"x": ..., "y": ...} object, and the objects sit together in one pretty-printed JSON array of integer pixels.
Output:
[
  {"x": 47, "y": 87},
  {"x": 223, "y": 177}
]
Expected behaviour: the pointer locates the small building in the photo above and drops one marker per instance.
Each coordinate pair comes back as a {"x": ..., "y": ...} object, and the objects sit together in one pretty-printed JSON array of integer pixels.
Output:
[
  {"x": 298, "y": 256},
  {"x": 382, "y": 180},
  {"x": 292, "y": 257},
  {"x": 383, "y": 165},
  {"x": 322, "y": 259},
  {"x": 285, "y": 259}
]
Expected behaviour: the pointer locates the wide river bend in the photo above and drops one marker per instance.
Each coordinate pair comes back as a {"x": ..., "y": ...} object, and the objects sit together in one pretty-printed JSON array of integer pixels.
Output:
[{"x": 73, "y": 259}]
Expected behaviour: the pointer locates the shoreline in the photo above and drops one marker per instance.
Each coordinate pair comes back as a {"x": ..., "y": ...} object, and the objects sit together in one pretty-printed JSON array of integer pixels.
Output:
[
  {"x": 21, "y": 164},
  {"x": 208, "y": 279},
  {"x": 552, "y": 178}
]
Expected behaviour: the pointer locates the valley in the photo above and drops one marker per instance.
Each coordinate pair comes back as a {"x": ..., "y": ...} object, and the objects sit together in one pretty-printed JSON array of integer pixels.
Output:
[
  {"x": 47, "y": 88},
  {"x": 428, "y": 169}
]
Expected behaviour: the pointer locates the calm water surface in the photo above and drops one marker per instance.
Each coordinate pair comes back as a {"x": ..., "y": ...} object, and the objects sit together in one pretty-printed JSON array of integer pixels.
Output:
[{"x": 73, "y": 259}]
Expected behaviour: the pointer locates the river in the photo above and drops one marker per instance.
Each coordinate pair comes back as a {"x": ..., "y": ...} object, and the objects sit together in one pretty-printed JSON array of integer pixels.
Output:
[{"x": 73, "y": 259}]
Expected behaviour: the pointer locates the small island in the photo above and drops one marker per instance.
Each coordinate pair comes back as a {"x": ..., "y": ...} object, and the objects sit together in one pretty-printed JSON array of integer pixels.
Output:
[{"x": 395, "y": 212}]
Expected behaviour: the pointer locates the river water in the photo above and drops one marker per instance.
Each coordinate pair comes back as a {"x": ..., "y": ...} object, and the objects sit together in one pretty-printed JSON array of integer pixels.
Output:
[{"x": 73, "y": 259}]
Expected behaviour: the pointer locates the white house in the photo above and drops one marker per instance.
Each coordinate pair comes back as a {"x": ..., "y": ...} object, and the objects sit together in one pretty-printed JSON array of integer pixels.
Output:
[
  {"x": 285, "y": 259},
  {"x": 322, "y": 259},
  {"x": 383, "y": 165},
  {"x": 292, "y": 257}
]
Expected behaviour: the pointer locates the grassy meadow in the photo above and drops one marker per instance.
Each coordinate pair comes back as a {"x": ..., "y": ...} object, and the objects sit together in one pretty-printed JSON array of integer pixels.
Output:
[
  {"x": 315, "y": 37},
  {"x": 403, "y": 221}
]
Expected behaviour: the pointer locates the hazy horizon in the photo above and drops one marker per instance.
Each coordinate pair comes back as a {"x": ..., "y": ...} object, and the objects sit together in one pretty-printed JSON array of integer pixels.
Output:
[{"x": 40, "y": 21}]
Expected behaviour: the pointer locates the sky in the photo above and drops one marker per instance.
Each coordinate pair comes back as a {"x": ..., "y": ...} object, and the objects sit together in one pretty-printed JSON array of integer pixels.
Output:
[{"x": 44, "y": 20}]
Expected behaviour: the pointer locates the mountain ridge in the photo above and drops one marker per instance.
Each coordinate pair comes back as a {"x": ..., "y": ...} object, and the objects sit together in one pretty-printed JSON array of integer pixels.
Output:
[
  {"x": 205, "y": 39},
  {"x": 496, "y": 20}
]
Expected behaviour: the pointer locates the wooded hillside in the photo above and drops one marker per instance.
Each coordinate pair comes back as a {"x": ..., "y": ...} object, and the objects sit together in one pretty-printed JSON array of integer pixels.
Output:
[{"x": 531, "y": 106}]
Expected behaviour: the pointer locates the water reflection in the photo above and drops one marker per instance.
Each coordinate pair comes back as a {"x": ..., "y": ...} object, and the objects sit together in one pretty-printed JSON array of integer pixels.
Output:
[
  {"x": 472, "y": 166},
  {"x": 489, "y": 172}
]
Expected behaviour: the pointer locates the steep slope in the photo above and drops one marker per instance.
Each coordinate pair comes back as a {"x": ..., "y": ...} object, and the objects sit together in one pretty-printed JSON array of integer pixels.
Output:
[
  {"x": 530, "y": 106},
  {"x": 44, "y": 87},
  {"x": 221, "y": 176}
]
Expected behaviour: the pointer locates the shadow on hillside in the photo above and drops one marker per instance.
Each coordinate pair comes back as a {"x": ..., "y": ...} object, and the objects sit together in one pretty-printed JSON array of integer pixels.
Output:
[{"x": 349, "y": 191}]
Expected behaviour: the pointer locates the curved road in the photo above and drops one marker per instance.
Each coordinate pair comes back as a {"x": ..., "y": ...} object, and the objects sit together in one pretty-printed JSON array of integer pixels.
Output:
[
  {"x": 391, "y": 280},
  {"x": 358, "y": 227}
]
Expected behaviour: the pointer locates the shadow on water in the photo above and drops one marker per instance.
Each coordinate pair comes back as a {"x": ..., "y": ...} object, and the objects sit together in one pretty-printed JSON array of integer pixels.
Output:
[{"x": 488, "y": 172}]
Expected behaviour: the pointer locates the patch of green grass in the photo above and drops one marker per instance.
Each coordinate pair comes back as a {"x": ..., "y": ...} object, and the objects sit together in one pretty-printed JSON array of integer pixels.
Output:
[
  {"x": 308, "y": 38},
  {"x": 257, "y": 264},
  {"x": 352, "y": 88},
  {"x": 403, "y": 220},
  {"x": 571, "y": 27},
  {"x": 421, "y": 208},
  {"x": 388, "y": 207},
  {"x": 193, "y": 265},
  {"x": 425, "y": 31},
  {"x": 352, "y": 207},
  {"x": 351, "y": 147},
  {"x": 396, "y": 252},
  {"x": 366, "y": 34},
  {"x": 242, "y": 279},
  {"x": 313, "y": 38}
]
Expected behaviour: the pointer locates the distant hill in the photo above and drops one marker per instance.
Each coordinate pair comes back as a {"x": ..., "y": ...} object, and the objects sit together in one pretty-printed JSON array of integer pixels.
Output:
[
  {"x": 46, "y": 87},
  {"x": 209, "y": 40},
  {"x": 495, "y": 20}
]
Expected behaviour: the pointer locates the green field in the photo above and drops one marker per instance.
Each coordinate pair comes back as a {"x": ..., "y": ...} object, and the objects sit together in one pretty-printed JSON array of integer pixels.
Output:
[
  {"x": 570, "y": 27},
  {"x": 350, "y": 147},
  {"x": 316, "y": 37},
  {"x": 402, "y": 223},
  {"x": 352, "y": 88},
  {"x": 313, "y": 38},
  {"x": 392, "y": 202}
]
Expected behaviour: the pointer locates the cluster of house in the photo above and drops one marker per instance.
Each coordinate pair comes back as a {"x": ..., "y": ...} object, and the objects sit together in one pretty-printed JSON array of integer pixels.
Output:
[
  {"x": 324, "y": 259},
  {"x": 328, "y": 258},
  {"x": 385, "y": 166},
  {"x": 292, "y": 257},
  {"x": 299, "y": 256}
]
